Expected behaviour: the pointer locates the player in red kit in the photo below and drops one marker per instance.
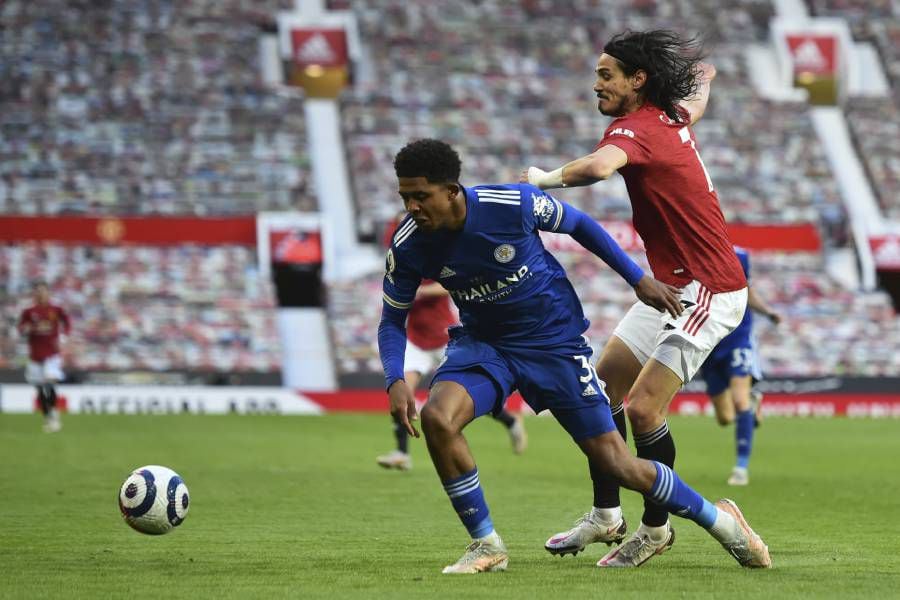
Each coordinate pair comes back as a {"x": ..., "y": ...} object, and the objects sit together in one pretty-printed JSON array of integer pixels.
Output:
[
  {"x": 43, "y": 324},
  {"x": 656, "y": 87},
  {"x": 426, "y": 331}
]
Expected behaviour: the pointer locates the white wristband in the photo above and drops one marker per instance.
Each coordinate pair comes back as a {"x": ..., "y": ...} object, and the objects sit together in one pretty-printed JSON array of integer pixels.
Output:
[{"x": 546, "y": 180}]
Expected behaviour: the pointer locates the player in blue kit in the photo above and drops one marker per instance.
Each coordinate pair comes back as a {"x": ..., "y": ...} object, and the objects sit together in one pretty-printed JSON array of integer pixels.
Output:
[
  {"x": 730, "y": 371},
  {"x": 522, "y": 328}
]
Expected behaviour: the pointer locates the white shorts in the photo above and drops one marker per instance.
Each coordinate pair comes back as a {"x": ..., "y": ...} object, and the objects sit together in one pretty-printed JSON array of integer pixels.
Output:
[
  {"x": 48, "y": 371},
  {"x": 682, "y": 344},
  {"x": 421, "y": 361}
]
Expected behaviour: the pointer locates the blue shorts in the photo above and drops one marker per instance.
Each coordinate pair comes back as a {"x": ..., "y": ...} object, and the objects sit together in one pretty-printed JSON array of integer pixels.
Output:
[
  {"x": 558, "y": 378},
  {"x": 725, "y": 363}
]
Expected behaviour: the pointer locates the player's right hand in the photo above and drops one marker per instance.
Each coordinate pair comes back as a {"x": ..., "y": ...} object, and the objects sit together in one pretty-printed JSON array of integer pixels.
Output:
[
  {"x": 659, "y": 295},
  {"x": 403, "y": 406}
]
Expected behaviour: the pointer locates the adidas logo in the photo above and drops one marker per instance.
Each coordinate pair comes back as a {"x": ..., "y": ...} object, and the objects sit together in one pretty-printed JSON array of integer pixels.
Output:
[
  {"x": 316, "y": 50},
  {"x": 590, "y": 390},
  {"x": 808, "y": 55},
  {"x": 446, "y": 272}
]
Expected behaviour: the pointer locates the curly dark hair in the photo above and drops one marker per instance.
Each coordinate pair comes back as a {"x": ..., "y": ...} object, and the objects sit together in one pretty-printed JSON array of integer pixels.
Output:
[
  {"x": 669, "y": 61},
  {"x": 432, "y": 159}
]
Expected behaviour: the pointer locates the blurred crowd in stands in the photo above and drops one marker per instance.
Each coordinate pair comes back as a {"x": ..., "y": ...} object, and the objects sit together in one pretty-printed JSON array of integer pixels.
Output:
[
  {"x": 158, "y": 107},
  {"x": 875, "y": 122},
  {"x": 146, "y": 308},
  {"x": 826, "y": 329},
  {"x": 151, "y": 107},
  {"x": 875, "y": 125},
  {"x": 509, "y": 94}
]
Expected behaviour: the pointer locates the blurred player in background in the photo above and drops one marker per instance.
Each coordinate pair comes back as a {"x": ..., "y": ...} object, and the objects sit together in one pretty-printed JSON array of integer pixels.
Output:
[
  {"x": 522, "y": 328},
  {"x": 426, "y": 329},
  {"x": 43, "y": 324},
  {"x": 730, "y": 372},
  {"x": 656, "y": 87}
]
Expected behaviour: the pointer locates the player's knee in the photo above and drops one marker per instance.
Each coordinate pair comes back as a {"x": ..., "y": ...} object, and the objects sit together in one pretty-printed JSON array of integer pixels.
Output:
[
  {"x": 724, "y": 420},
  {"x": 642, "y": 414},
  {"x": 435, "y": 420}
]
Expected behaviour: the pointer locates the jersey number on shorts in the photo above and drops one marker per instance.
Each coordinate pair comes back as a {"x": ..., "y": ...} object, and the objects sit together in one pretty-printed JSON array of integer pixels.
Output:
[
  {"x": 685, "y": 135},
  {"x": 742, "y": 358},
  {"x": 587, "y": 366}
]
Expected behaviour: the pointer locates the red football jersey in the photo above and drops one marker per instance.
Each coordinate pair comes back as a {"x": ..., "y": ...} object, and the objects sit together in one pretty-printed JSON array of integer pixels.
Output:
[
  {"x": 675, "y": 207},
  {"x": 428, "y": 320},
  {"x": 43, "y": 324}
]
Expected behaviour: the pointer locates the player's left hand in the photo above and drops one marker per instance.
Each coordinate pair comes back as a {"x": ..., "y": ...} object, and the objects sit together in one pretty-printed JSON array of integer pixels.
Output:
[
  {"x": 774, "y": 317},
  {"x": 707, "y": 71},
  {"x": 659, "y": 295},
  {"x": 403, "y": 406}
]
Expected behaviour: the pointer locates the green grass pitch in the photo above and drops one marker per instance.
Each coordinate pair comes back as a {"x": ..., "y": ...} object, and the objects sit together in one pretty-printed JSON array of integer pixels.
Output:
[{"x": 296, "y": 507}]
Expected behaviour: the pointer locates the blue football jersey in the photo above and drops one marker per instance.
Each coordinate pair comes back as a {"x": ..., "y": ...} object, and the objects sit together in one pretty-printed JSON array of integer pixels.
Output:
[{"x": 507, "y": 287}]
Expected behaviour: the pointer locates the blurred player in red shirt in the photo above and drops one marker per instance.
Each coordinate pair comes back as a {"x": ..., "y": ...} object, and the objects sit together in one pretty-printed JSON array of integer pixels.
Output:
[
  {"x": 426, "y": 331},
  {"x": 43, "y": 324},
  {"x": 656, "y": 87}
]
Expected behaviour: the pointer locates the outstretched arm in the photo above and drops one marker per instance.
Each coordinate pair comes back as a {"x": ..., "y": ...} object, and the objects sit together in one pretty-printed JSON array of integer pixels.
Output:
[
  {"x": 592, "y": 236},
  {"x": 587, "y": 170},
  {"x": 696, "y": 106}
]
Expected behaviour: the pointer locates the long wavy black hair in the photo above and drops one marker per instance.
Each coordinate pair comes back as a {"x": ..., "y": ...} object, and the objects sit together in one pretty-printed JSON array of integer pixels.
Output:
[{"x": 669, "y": 61}]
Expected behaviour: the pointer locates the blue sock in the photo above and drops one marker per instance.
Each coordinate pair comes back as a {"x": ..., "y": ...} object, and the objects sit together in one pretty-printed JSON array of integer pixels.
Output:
[
  {"x": 743, "y": 432},
  {"x": 467, "y": 499},
  {"x": 678, "y": 497}
]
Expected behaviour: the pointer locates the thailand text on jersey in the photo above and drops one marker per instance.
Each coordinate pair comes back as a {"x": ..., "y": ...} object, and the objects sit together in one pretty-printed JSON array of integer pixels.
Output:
[
  {"x": 507, "y": 287},
  {"x": 675, "y": 206}
]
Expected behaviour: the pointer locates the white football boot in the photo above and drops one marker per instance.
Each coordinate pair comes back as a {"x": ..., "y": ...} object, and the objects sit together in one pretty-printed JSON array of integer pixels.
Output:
[
  {"x": 637, "y": 550},
  {"x": 52, "y": 422},
  {"x": 480, "y": 556},
  {"x": 586, "y": 531},
  {"x": 747, "y": 548},
  {"x": 739, "y": 476},
  {"x": 395, "y": 460},
  {"x": 518, "y": 436}
]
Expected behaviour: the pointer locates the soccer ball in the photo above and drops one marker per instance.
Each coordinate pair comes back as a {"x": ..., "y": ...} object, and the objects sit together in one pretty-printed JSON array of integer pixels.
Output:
[{"x": 154, "y": 500}]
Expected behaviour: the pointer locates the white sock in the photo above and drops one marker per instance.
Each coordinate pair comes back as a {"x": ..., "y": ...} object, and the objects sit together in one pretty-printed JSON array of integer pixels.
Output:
[
  {"x": 656, "y": 534},
  {"x": 491, "y": 539},
  {"x": 606, "y": 516},
  {"x": 725, "y": 529}
]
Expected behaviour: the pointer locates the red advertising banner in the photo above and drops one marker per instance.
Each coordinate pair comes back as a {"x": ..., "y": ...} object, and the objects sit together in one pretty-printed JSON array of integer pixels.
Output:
[
  {"x": 161, "y": 231},
  {"x": 785, "y": 238},
  {"x": 150, "y": 231},
  {"x": 886, "y": 252},
  {"x": 813, "y": 53},
  {"x": 321, "y": 47}
]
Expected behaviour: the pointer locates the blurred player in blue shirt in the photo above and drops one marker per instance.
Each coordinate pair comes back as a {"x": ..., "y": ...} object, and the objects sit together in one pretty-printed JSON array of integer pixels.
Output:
[
  {"x": 522, "y": 328},
  {"x": 730, "y": 372}
]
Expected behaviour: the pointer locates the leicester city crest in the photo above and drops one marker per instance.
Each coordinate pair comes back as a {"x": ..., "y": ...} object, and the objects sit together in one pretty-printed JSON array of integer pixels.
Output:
[{"x": 504, "y": 253}]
